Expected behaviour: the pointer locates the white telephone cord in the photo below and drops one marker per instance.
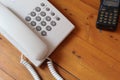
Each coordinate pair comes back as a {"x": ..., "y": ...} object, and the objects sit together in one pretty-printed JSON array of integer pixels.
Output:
[
  {"x": 33, "y": 72},
  {"x": 29, "y": 68},
  {"x": 52, "y": 70}
]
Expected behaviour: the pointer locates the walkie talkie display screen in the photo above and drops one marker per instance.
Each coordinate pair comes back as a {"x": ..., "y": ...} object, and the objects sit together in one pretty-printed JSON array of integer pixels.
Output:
[{"x": 114, "y": 3}]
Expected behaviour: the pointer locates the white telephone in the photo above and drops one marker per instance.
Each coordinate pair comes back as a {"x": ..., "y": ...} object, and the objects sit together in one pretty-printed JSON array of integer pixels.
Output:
[
  {"x": 45, "y": 27},
  {"x": 42, "y": 18}
]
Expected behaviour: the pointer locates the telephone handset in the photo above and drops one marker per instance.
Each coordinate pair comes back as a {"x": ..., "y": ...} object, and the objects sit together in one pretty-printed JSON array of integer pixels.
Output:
[
  {"x": 21, "y": 36},
  {"x": 43, "y": 19}
]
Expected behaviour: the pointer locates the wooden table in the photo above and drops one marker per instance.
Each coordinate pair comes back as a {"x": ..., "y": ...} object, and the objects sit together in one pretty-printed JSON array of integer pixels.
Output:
[{"x": 86, "y": 54}]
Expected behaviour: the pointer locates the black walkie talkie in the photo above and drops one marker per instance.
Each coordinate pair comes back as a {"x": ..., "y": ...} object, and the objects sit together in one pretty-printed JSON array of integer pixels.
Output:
[{"x": 108, "y": 15}]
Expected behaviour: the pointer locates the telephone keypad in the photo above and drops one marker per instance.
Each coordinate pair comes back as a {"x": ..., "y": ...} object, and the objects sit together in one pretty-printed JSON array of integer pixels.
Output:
[{"x": 43, "y": 18}]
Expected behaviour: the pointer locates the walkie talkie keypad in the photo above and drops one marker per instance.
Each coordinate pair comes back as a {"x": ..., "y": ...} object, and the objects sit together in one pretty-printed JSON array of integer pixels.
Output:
[
  {"x": 108, "y": 15},
  {"x": 108, "y": 18},
  {"x": 43, "y": 19}
]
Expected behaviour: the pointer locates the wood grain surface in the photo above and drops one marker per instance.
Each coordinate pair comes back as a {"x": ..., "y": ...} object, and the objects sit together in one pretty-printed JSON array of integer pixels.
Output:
[{"x": 86, "y": 54}]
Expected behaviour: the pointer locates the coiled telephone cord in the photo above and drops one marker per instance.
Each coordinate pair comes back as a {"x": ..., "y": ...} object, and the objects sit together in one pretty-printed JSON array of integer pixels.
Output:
[
  {"x": 52, "y": 70},
  {"x": 29, "y": 68},
  {"x": 35, "y": 75}
]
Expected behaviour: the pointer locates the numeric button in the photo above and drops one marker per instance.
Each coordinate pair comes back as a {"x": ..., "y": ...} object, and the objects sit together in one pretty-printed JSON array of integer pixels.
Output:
[
  {"x": 103, "y": 9},
  {"x": 38, "y": 9},
  {"x": 113, "y": 23},
  {"x": 33, "y": 14},
  {"x": 43, "y": 14},
  {"x": 43, "y": 23},
  {"x": 106, "y": 13},
  {"x": 111, "y": 14},
  {"x": 28, "y": 18},
  {"x": 42, "y": 4},
  {"x": 100, "y": 20},
  {"x": 47, "y": 9},
  {"x": 48, "y": 28},
  {"x": 33, "y": 23},
  {"x": 109, "y": 22},
  {"x": 115, "y": 11},
  {"x": 53, "y": 23},
  {"x": 116, "y": 14},
  {"x": 43, "y": 33},
  {"x": 105, "y": 22},
  {"x": 57, "y": 18},
  {"x": 38, "y": 28},
  {"x": 115, "y": 17},
  {"x": 105, "y": 19},
  {"x": 106, "y": 16},
  {"x": 38, "y": 18},
  {"x": 101, "y": 15},
  {"x": 102, "y": 12},
  {"x": 52, "y": 13},
  {"x": 110, "y": 19},
  {"x": 48, "y": 18}
]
